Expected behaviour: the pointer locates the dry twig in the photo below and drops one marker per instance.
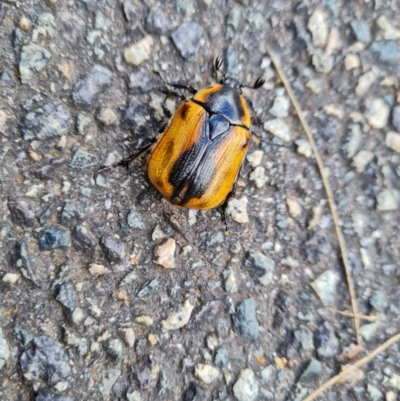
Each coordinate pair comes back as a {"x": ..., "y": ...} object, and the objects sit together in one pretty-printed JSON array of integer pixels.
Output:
[
  {"x": 357, "y": 364},
  {"x": 327, "y": 187},
  {"x": 349, "y": 314}
]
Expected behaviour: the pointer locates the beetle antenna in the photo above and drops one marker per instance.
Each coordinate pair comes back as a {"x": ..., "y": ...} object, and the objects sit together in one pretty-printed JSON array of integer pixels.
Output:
[
  {"x": 258, "y": 84},
  {"x": 217, "y": 66}
]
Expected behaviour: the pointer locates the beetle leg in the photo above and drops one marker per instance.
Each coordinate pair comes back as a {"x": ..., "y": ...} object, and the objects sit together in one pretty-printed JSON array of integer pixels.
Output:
[{"x": 125, "y": 162}]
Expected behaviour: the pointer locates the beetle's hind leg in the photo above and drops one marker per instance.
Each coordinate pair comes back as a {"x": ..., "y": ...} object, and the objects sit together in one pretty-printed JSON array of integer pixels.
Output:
[{"x": 125, "y": 162}]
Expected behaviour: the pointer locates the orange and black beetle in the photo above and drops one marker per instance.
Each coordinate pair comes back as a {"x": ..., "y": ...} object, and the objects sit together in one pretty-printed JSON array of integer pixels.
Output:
[{"x": 197, "y": 159}]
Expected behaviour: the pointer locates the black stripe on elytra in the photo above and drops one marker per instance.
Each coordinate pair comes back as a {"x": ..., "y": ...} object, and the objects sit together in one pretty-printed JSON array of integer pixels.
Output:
[{"x": 195, "y": 169}]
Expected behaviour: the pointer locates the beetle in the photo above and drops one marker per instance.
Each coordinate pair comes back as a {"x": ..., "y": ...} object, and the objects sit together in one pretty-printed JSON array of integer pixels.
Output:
[{"x": 195, "y": 162}]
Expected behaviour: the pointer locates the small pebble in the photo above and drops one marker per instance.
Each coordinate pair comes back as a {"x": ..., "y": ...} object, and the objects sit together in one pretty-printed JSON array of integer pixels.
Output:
[
  {"x": 387, "y": 30},
  {"x": 303, "y": 147},
  {"x": 11, "y": 278},
  {"x": 97, "y": 270},
  {"x": 110, "y": 376},
  {"x": 106, "y": 116},
  {"x": 152, "y": 339},
  {"x": 386, "y": 50},
  {"x": 255, "y": 158},
  {"x": 221, "y": 357},
  {"x": 188, "y": 38},
  {"x": 135, "y": 220},
  {"x": 323, "y": 62},
  {"x": 388, "y": 199},
  {"x": 258, "y": 176},
  {"x": 351, "y": 62},
  {"x": 280, "y": 107},
  {"x": 325, "y": 287},
  {"x": 374, "y": 393},
  {"x": 362, "y": 159},
  {"x": 245, "y": 320},
  {"x": 237, "y": 209},
  {"x": 393, "y": 141},
  {"x": 230, "y": 281},
  {"x": 366, "y": 81},
  {"x": 33, "y": 59},
  {"x": 279, "y": 128},
  {"x": 246, "y": 387},
  {"x": 206, "y": 373},
  {"x": 91, "y": 85},
  {"x": 396, "y": 117},
  {"x": 361, "y": 31},
  {"x": 130, "y": 337},
  {"x": 318, "y": 26},
  {"x": 352, "y": 141},
  {"x": 83, "y": 159},
  {"x": 4, "y": 350},
  {"x": 294, "y": 207},
  {"x": 165, "y": 254},
  {"x": 77, "y": 315},
  {"x": 52, "y": 238},
  {"x": 312, "y": 371},
  {"x": 326, "y": 343},
  {"x": 66, "y": 296},
  {"x": 144, "y": 320},
  {"x": 113, "y": 248},
  {"x": 395, "y": 381},
  {"x": 139, "y": 52},
  {"x": 178, "y": 319}
]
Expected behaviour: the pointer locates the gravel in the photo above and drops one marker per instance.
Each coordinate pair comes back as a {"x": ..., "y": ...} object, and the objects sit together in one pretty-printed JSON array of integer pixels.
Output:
[{"x": 253, "y": 293}]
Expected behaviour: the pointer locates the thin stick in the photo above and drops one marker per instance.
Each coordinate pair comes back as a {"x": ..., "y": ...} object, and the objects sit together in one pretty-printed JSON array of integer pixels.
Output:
[
  {"x": 349, "y": 314},
  {"x": 328, "y": 190},
  {"x": 357, "y": 364}
]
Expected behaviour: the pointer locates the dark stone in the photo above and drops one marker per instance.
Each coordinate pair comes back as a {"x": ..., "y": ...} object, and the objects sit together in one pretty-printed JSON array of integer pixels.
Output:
[
  {"x": 113, "y": 248},
  {"x": 386, "y": 50},
  {"x": 326, "y": 343},
  {"x": 258, "y": 264},
  {"x": 187, "y": 38},
  {"x": 142, "y": 80},
  {"x": 156, "y": 22},
  {"x": 70, "y": 214},
  {"x": 21, "y": 213},
  {"x": 45, "y": 360},
  {"x": 290, "y": 345},
  {"x": 66, "y": 296},
  {"x": 6, "y": 79},
  {"x": 23, "y": 336},
  {"x": 82, "y": 239},
  {"x": 282, "y": 300},
  {"x": 396, "y": 117},
  {"x": 190, "y": 393},
  {"x": 45, "y": 394},
  {"x": 245, "y": 321},
  {"x": 315, "y": 247},
  {"x": 48, "y": 121},
  {"x": 83, "y": 159},
  {"x": 86, "y": 90},
  {"x": 221, "y": 358},
  {"x": 23, "y": 261},
  {"x": 370, "y": 179},
  {"x": 53, "y": 237},
  {"x": 277, "y": 319},
  {"x": 47, "y": 171},
  {"x": 361, "y": 31}
]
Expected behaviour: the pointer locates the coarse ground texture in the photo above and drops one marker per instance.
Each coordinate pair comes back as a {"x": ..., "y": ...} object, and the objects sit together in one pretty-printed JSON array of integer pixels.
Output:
[{"x": 107, "y": 292}]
